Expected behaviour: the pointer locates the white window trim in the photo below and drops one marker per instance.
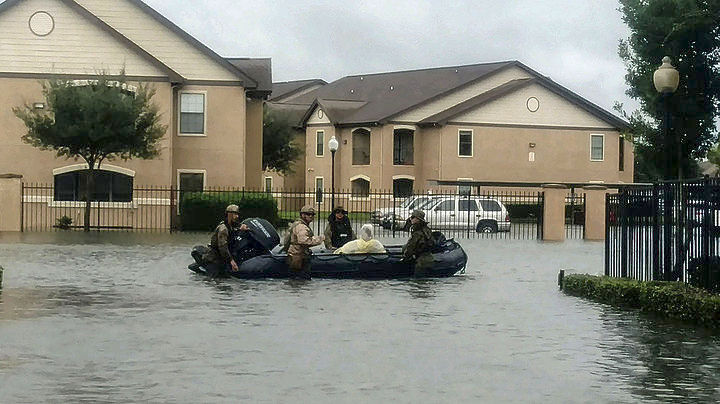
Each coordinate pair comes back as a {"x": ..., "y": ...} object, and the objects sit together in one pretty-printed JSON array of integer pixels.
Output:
[
  {"x": 316, "y": 143},
  {"x": 352, "y": 146},
  {"x": 472, "y": 143},
  {"x": 205, "y": 115},
  {"x": 603, "y": 146},
  {"x": 403, "y": 177},
  {"x": 188, "y": 171},
  {"x": 316, "y": 189},
  {"x": 408, "y": 127},
  {"x": 272, "y": 181},
  {"x": 84, "y": 166},
  {"x": 360, "y": 198}
]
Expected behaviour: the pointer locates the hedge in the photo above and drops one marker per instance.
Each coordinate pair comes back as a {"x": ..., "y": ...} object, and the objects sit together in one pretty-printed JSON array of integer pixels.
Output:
[
  {"x": 674, "y": 300},
  {"x": 202, "y": 211}
]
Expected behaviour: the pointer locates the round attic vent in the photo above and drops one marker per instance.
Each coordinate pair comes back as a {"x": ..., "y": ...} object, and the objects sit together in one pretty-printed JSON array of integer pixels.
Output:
[
  {"x": 41, "y": 23},
  {"x": 533, "y": 104}
]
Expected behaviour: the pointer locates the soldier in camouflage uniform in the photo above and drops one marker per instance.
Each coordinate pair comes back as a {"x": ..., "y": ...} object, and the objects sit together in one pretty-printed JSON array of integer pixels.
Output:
[
  {"x": 298, "y": 244},
  {"x": 218, "y": 258},
  {"x": 417, "y": 249}
]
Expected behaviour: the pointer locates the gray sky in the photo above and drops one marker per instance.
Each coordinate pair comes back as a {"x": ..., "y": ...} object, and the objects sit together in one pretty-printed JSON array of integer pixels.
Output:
[{"x": 572, "y": 41}]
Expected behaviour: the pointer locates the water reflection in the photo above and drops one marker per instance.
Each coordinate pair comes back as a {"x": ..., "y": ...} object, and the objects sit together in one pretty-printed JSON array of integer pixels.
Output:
[
  {"x": 661, "y": 359},
  {"x": 25, "y": 303}
]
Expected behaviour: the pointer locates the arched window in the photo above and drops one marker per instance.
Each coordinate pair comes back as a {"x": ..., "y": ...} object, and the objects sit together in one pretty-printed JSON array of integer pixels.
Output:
[
  {"x": 360, "y": 187},
  {"x": 361, "y": 147},
  {"x": 110, "y": 186},
  {"x": 403, "y": 147},
  {"x": 403, "y": 187}
]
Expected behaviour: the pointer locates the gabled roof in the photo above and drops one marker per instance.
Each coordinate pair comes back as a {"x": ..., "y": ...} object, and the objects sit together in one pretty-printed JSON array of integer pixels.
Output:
[
  {"x": 260, "y": 69},
  {"x": 285, "y": 89},
  {"x": 247, "y": 81},
  {"x": 386, "y": 95},
  {"x": 337, "y": 111}
]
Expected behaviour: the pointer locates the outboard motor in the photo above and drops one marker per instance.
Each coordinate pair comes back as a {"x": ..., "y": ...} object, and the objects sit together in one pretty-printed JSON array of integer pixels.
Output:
[{"x": 258, "y": 240}]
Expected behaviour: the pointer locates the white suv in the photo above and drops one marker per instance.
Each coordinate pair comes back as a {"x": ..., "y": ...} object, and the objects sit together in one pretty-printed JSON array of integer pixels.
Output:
[
  {"x": 409, "y": 204},
  {"x": 484, "y": 215}
]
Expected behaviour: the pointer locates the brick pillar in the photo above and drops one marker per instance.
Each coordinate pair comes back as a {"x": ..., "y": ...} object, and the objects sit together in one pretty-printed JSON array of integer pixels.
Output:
[
  {"x": 554, "y": 212},
  {"x": 10, "y": 202},
  {"x": 595, "y": 212}
]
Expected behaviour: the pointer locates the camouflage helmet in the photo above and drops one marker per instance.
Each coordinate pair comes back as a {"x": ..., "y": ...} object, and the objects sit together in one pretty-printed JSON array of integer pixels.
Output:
[
  {"x": 307, "y": 209},
  {"x": 232, "y": 209},
  {"x": 418, "y": 214}
]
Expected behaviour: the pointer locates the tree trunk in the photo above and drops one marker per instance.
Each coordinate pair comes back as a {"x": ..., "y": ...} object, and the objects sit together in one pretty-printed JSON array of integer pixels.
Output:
[{"x": 90, "y": 187}]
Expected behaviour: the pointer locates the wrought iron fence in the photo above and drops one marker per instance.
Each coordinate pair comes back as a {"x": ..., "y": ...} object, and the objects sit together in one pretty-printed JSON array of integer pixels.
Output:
[
  {"x": 508, "y": 214},
  {"x": 669, "y": 231},
  {"x": 575, "y": 216}
]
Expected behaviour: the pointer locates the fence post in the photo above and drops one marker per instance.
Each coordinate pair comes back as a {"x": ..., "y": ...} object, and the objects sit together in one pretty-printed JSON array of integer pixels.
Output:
[
  {"x": 667, "y": 231},
  {"x": 623, "y": 213},
  {"x": 656, "y": 232},
  {"x": 554, "y": 212},
  {"x": 708, "y": 217},
  {"x": 11, "y": 201},
  {"x": 607, "y": 233},
  {"x": 595, "y": 212}
]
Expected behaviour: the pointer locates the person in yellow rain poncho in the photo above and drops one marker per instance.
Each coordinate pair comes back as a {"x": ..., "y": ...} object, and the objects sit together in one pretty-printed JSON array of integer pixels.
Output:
[{"x": 366, "y": 244}]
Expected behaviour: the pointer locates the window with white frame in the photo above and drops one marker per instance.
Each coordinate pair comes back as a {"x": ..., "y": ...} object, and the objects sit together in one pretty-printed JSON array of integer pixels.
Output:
[
  {"x": 109, "y": 186},
  {"x": 189, "y": 181},
  {"x": 192, "y": 113},
  {"x": 403, "y": 147},
  {"x": 361, "y": 147},
  {"x": 268, "y": 184},
  {"x": 319, "y": 187},
  {"x": 465, "y": 143},
  {"x": 597, "y": 147},
  {"x": 320, "y": 143},
  {"x": 403, "y": 187},
  {"x": 360, "y": 188}
]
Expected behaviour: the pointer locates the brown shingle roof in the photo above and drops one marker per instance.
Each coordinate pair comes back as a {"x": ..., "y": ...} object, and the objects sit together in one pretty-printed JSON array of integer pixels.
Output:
[
  {"x": 259, "y": 69},
  {"x": 286, "y": 88}
]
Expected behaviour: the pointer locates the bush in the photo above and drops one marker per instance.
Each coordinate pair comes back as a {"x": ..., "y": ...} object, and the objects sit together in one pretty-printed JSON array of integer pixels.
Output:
[
  {"x": 202, "y": 211},
  {"x": 524, "y": 211},
  {"x": 673, "y": 300},
  {"x": 63, "y": 222}
]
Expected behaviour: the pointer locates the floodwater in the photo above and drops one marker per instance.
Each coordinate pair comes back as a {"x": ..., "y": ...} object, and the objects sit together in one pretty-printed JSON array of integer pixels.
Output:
[{"x": 119, "y": 318}]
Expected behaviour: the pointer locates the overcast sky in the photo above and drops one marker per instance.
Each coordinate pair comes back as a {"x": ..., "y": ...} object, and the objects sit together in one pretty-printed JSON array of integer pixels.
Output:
[{"x": 572, "y": 41}]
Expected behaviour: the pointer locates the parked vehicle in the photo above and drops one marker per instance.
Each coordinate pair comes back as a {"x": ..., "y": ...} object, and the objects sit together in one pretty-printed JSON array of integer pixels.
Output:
[
  {"x": 399, "y": 220},
  {"x": 409, "y": 204},
  {"x": 484, "y": 215}
]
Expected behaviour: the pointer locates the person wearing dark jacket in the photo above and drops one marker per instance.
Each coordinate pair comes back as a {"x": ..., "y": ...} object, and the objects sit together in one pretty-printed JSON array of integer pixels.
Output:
[
  {"x": 218, "y": 257},
  {"x": 338, "y": 231},
  {"x": 417, "y": 250}
]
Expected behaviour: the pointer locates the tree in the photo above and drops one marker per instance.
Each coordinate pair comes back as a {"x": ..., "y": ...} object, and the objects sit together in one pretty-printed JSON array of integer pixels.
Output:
[
  {"x": 280, "y": 149},
  {"x": 96, "y": 120},
  {"x": 689, "y": 32}
]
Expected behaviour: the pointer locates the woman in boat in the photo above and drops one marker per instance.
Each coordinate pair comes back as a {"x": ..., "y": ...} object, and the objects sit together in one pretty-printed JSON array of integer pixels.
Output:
[
  {"x": 338, "y": 231},
  {"x": 366, "y": 244}
]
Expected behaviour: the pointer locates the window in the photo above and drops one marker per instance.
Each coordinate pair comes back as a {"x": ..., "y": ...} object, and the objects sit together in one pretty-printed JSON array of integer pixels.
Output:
[
  {"x": 361, "y": 147},
  {"x": 319, "y": 186},
  {"x": 192, "y": 182},
  {"x": 446, "y": 206},
  {"x": 402, "y": 187},
  {"x": 465, "y": 143},
  {"x": 360, "y": 188},
  {"x": 466, "y": 205},
  {"x": 109, "y": 187},
  {"x": 597, "y": 146},
  {"x": 403, "y": 148},
  {"x": 320, "y": 143},
  {"x": 192, "y": 113},
  {"x": 621, "y": 154},
  {"x": 490, "y": 206},
  {"x": 268, "y": 184}
]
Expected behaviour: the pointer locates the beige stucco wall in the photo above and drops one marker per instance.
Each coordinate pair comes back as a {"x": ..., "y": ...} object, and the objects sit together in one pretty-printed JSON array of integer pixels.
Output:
[
  {"x": 253, "y": 143},
  {"x": 221, "y": 151},
  {"x": 75, "y": 46},
  {"x": 36, "y": 165},
  {"x": 10, "y": 202}
]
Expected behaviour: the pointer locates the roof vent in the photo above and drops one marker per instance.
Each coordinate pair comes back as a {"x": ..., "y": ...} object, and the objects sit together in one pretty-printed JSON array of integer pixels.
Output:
[
  {"x": 456, "y": 70},
  {"x": 362, "y": 78},
  {"x": 352, "y": 91},
  {"x": 392, "y": 88}
]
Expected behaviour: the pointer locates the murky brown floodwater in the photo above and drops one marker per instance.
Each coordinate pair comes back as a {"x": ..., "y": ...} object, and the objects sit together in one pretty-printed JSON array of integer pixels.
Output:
[{"x": 123, "y": 320}]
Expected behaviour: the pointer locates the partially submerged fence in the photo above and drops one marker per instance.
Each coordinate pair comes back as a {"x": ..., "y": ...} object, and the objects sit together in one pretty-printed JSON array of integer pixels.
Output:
[
  {"x": 667, "y": 231},
  {"x": 508, "y": 214}
]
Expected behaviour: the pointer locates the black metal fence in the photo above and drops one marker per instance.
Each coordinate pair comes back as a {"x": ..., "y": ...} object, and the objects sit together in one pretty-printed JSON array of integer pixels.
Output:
[
  {"x": 575, "y": 216},
  {"x": 507, "y": 214},
  {"x": 667, "y": 231}
]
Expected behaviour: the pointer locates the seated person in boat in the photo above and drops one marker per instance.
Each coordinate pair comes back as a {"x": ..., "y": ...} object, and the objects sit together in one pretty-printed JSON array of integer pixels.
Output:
[
  {"x": 366, "y": 244},
  {"x": 338, "y": 231},
  {"x": 417, "y": 250},
  {"x": 218, "y": 257}
]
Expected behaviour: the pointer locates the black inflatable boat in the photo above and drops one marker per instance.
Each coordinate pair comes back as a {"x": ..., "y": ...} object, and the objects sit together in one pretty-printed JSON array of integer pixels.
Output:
[{"x": 448, "y": 256}]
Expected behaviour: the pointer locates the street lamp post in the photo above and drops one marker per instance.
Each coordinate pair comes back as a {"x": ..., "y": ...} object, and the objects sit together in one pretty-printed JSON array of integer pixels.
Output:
[
  {"x": 333, "y": 145},
  {"x": 666, "y": 80}
]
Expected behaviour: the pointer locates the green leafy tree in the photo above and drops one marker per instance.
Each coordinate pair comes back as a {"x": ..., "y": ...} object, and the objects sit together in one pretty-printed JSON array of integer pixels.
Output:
[
  {"x": 280, "y": 149},
  {"x": 97, "y": 121},
  {"x": 714, "y": 155},
  {"x": 689, "y": 32}
]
